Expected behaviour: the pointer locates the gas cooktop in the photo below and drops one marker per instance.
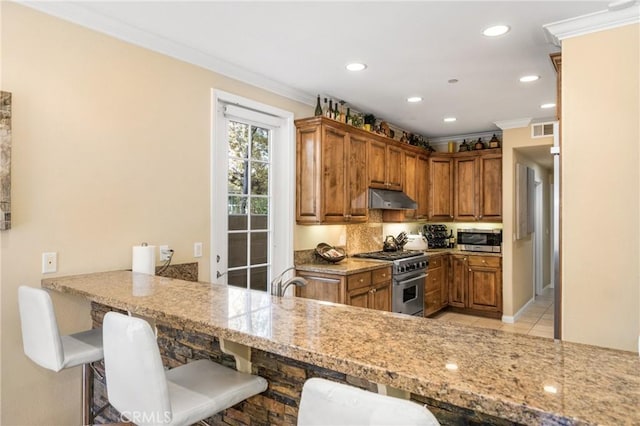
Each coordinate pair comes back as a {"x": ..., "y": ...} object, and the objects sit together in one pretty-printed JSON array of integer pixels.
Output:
[{"x": 389, "y": 255}]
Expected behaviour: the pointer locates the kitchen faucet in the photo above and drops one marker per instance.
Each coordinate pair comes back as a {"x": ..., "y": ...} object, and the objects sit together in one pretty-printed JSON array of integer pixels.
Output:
[{"x": 278, "y": 288}]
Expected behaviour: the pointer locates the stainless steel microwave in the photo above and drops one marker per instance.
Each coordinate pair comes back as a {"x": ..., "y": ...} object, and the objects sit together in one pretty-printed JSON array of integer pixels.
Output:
[{"x": 486, "y": 240}]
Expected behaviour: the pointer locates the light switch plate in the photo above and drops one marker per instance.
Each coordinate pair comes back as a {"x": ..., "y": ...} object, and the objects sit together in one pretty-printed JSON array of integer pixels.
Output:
[
  {"x": 197, "y": 249},
  {"x": 49, "y": 262}
]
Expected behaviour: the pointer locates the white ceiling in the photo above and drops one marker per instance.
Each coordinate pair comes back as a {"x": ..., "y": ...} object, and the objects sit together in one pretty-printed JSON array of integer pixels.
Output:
[{"x": 411, "y": 48}]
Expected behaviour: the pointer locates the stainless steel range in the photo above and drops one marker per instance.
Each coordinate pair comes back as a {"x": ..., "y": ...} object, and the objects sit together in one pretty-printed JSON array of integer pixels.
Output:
[{"x": 409, "y": 273}]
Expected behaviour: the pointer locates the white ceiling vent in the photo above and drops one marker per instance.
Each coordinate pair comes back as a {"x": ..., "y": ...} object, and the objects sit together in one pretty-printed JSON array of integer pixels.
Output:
[{"x": 541, "y": 130}]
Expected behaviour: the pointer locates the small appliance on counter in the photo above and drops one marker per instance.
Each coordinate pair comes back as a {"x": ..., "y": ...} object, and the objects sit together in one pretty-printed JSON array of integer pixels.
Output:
[
  {"x": 416, "y": 242},
  {"x": 437, "y": 236},
  {"x": 484, "y": 240}
]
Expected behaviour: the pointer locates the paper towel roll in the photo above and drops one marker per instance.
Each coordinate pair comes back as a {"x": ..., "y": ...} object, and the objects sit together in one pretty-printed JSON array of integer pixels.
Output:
[{"x": 144, "y": 259}]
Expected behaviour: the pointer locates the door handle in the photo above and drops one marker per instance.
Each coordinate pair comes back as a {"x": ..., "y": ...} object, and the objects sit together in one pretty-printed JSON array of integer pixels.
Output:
[{"x": 218, "y": 274}]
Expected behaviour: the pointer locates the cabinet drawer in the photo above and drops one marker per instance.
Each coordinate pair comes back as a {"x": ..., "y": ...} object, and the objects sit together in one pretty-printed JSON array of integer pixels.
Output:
[
  {"x": 360, "y": 280},
  {"x": 434, "y": 280},
  {"x": 381, "y": 275},
  {"x": 488, "y": 261},
  {"x": 435, "y": 262}
]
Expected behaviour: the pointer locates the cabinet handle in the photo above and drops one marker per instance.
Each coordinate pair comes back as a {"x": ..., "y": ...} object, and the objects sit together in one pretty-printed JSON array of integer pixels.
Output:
[
  {"x": 469, "y": 269},
  {"x": 480, "y": 216},
  {"x": 361, "y": 280},
  {"x": 373, "y": 290},
  {"x": 484, "y": 261},
  {"x": 384, "y": 275}
]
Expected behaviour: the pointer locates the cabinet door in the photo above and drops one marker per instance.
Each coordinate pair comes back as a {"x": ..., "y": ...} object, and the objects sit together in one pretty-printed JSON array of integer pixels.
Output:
[
  {"x": 327, "y": 287},
  {"x": 458, "y": 281},
  {"x": 380, "y": 297},
  {"x": 334, "y": 143},
  {"x": 466, "y": 184},
  {"x": 357, "y": 186},
  {"x": 308, "y": 174},
  {"x": 410, "y": 180},
  {"x": 377, "y": 164},
  {"x": 422, "y": 186},
  {"x": 490, "y": 208},
  {"x": 485, "y": 288},
  {"x": 395, "y": 165},
  {"x": 359, "y": 297},
  {"x": 444, "y": 282},
  {"x": 440, "y": 188}
]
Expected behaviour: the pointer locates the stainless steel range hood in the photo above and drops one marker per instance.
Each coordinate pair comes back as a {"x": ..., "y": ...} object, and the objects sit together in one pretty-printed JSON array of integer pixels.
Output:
[{"x": 390, "y": 200}]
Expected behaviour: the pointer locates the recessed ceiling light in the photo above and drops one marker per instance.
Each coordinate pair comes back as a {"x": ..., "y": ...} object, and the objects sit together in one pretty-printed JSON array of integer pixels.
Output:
[
  {"x": 529, "y": 78},
  {"x": 356, "y": 66},
  {"x": 549, "y": 105},
  {"x": 414, "y": 99},
  {"x": 449, "y": 119},
  {"x": 496, "y": 30}
]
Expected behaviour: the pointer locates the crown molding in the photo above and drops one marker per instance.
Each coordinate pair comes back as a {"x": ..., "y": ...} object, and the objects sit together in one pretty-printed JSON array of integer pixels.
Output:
[
  {"x": 74, "y": 12},
  {"x": 618, "y": 14},
  {"x": 513, "y": 124}
]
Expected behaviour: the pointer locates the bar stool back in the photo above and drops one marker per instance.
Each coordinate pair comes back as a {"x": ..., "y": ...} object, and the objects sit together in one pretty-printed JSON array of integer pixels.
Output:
[
  {"x": 145, "y": 394},
  {"x": 43, "y": 344},
  {"x": 324, "y": 402}
]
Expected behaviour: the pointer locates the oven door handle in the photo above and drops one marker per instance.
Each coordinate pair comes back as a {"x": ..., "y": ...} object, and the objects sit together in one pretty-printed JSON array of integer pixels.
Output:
[{"x": 418, "y": 277}]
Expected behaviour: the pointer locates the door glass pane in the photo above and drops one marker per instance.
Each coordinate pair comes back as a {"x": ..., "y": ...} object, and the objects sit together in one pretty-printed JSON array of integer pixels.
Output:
[
  {"x": 237, "y": 250},
  {"x": 238, "y": 179},
  {"x": 260, "y": 144},
  {"x": 259, "y": 178},
  {"x": 238, "y": 278},
  {"x": 237, "y": 207},
  {"x": 259, "y": 244},
  {"x": 238, "y": 139},
  {"x": 259, "y": 278}
]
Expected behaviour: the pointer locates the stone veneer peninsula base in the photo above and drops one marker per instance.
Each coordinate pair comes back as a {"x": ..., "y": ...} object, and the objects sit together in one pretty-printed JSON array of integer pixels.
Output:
[
  {"x": 464, "y": 374},
  {"x": 278, "y": 405}
]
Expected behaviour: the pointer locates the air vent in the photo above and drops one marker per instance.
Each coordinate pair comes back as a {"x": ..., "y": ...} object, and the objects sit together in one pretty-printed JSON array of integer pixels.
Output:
[{"x": 541, "y": 130}]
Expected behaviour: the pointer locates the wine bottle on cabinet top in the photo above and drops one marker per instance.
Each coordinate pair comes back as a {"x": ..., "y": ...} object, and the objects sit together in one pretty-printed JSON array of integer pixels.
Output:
[{"x": 318, "y": 107}]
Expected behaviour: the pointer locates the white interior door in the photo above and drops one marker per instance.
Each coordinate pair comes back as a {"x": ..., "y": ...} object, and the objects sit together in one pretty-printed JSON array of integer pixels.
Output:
[{"x": 252, "y": 192}]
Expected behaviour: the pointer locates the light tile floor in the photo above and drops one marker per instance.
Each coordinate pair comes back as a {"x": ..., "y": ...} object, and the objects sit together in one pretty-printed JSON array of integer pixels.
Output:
[{"x": 536, "y": 320}]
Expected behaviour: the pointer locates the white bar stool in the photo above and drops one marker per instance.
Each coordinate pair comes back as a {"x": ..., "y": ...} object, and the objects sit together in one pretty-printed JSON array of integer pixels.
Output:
[
  {"x": 43, "y": 344},
  {"x": 139, "y": 387},
  {"x": 324, "y": 402}
]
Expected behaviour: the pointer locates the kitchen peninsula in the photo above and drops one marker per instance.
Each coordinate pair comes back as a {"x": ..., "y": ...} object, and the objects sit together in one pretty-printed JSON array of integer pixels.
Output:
[{"x": 458, "y": 371}]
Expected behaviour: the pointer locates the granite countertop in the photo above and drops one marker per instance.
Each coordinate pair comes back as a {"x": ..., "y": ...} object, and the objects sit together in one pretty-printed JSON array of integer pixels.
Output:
[
  {"x": 524, "y": 379},
  {"x": 347, "y": 266},
  {"x": 351, "y": 265}
]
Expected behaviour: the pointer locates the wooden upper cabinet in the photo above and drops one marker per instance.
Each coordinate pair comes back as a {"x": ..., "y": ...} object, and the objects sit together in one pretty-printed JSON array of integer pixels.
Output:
[
  {"x": 440, "y": 188},
  {"x": 422, "y": 187},
  {"x": 556, "y": 59},
  {"x": 385, "y": 165},
  {"x": 308, "y": 183},
  {"x": 490, "y": 203},
  {"x": 357, "y": 182},
  {"x": 466, "y": 177},
  {"x": 334, "y": 162},
  {"x": 331, "y": 174},
  {"x": 410, "y": 180}
]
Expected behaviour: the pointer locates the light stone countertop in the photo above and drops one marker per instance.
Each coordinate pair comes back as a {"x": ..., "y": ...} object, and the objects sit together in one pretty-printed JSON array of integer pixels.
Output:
[{"x": 498, "y": 373}]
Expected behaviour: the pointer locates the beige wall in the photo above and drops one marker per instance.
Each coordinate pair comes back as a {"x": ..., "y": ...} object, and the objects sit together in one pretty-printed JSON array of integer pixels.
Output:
[
  {"x": 110, "y": 148},
  {"x": 600, "y": 185},
  {"x": 517, "y": 257}
]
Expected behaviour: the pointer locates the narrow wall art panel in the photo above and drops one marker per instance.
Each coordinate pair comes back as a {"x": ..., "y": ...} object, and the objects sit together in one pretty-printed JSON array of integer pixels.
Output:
[{"x": 5, "y": 160}]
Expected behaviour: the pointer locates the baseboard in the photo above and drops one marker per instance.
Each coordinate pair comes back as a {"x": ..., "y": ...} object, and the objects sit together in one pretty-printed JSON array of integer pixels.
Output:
[{"x": 512, "y": 319}]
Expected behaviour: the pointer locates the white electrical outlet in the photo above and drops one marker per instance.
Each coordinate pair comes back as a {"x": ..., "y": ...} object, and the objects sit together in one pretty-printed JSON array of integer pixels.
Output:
[
  {"x": 49, "y": 262},
  {"x": 197, "y": 249},
  {"x": 165, "y": 253}
]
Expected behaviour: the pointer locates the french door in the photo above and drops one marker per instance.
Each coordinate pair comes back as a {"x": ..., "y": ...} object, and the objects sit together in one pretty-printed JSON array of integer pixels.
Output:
[{"x": 252, "y": 194}]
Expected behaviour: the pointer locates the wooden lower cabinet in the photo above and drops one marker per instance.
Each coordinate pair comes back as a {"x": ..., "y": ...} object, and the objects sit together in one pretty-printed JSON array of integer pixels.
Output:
[
  {"x": 436, "y": 295},
  {"x": 369, "y": 289},
  {"x": 475, "y": 284}
]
